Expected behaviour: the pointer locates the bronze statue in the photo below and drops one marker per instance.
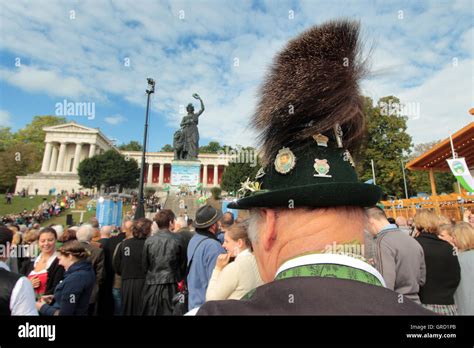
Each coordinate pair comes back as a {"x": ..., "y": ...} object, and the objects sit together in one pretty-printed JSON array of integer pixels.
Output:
[
  {"x": 178, "y": 145},
  {"x": 187, "y": 140}
]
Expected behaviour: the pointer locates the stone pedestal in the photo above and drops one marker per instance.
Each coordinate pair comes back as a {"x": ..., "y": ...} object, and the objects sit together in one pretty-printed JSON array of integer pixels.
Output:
[{"x": 185, "y": 173}]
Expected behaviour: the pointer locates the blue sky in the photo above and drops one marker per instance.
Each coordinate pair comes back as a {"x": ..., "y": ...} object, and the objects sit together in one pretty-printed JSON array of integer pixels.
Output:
[{"x": 103, "y": 51}]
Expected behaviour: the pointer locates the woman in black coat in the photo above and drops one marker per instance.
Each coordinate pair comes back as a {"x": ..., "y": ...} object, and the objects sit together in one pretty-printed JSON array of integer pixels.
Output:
[
  {"x": 443, "y": 272},
  {"x": 128, "y": 264}
]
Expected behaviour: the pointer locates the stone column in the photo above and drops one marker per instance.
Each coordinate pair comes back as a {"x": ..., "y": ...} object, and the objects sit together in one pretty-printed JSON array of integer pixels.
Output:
[
  {"x": 204, "y": 176},
  {"x": 77, "y": 157},
  {"x": 54, "y": 159},
  {"x": 162, "y": 174},
  {"x": 46, "y": 157},
  {"x": 149, "y": 177},
  {"x": 216, "y": 174},
  {"x": 91, "y": 150},
  {"x": 62, "y": 153}
]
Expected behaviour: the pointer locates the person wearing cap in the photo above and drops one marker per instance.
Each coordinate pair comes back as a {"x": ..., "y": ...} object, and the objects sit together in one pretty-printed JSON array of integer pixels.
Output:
[
  {"x": 306, "y": 204},
  {"x": 17, "y": 296},
  {"x": 202, "y": 253}
]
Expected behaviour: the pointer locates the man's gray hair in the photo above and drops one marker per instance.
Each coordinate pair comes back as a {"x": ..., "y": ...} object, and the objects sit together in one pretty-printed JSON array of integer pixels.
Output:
[
  {"x": 59, "y": 230},
  {"x": 253, "y": 222},
  {"x": 85, "y": 233}
]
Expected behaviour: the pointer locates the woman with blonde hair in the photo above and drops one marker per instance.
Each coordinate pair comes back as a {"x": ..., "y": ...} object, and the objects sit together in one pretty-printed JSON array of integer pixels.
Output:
[
  {"x": 235, "y": 279},
  {"x": 442, "y": 266},
  {"x": 464, "y": 296},
  {"x": 446, "y": 233}
]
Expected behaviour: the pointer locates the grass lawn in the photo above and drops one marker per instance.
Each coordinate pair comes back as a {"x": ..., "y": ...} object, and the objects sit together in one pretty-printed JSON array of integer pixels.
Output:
[
  {"x": 61, "y": 220},
  {"x": 20, "y": 203}
]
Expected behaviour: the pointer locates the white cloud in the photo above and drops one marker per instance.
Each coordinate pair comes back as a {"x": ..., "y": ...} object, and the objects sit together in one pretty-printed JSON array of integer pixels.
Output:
[
  {"x": 84, "y": 57},
  {"x": 34, "y": 79},
  {"x": 445, "y": 99},
  {"x": 5, "y": 119},
  {"x": 115, "y": 120}
]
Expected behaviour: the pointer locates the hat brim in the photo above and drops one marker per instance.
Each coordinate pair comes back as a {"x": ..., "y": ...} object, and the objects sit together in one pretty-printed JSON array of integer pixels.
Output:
[
  {"x": 210, "y": 222},
  {"x": 320, "y": 195}
]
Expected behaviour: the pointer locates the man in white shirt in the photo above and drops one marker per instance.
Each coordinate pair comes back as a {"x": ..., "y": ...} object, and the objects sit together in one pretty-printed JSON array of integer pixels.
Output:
[{"x": 16, "y": 292}]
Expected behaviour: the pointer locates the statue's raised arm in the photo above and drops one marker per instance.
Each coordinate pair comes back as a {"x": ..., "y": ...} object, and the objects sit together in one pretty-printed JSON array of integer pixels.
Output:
[{"x": 195, "y": 95}]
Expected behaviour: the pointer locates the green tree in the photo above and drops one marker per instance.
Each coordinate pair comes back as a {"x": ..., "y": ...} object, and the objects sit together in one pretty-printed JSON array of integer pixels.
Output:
[
  {"x": 235, "y": 174},
  {"x": 109, "y": 169},
  {"x": 21, "y": 153},
  {"x": 167, "y": 148},
  {"x": 33, "y": 132},
  {"x": 20, "y": 159},
  {"x": 90, "y": 173},
  {"x": 6, "y": 138},
  {"x": 386, "y": 143},
  {"x": 212, "y": 147},
  {"x": 131, "y": 146}
]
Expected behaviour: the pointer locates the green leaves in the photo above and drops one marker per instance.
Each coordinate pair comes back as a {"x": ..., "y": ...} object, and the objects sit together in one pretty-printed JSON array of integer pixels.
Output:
[
  {"x": 167, "y": 148},
  {"x": 235, "y": 174},
  {"x": 21, "y": 153},
  {"x": 212, "y": 147},
  {"x": 386, "y": 143},
  {"x": 109, "y": 169},
  {"x": 131, "y": 146}
]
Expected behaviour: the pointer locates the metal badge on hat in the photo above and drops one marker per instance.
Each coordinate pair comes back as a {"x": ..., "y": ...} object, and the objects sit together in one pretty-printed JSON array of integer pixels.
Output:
[
  {"x": 321, "y": 166},
  {"x": 285, "y": 161},
  {"x": 321, "y": 140}
]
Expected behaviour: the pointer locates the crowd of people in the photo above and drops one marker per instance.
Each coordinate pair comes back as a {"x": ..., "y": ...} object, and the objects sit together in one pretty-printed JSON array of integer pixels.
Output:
[
  {"x": 47, "y": 209},
  {"x": 428, "y": 259},
  {"x": 142, "y": 267},
  {"x": 139, "y": 268}
]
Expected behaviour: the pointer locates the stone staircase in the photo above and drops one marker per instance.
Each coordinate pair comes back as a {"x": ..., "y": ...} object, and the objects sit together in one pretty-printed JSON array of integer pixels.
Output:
[{"x": 181, "y": 205}]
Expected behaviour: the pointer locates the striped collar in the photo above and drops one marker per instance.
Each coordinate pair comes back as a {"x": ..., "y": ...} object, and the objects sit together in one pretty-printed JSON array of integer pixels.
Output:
[{"x": 329, "y": 259}]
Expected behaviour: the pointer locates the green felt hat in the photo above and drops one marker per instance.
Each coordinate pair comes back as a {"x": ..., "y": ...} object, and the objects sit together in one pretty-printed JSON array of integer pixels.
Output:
[
  {"x": 312, "y": 176},
  {"x": 310, "y": 116}
]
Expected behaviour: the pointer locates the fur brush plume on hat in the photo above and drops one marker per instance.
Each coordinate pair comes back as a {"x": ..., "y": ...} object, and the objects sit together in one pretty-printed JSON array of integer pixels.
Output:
[{"x": 312, "y": 86}]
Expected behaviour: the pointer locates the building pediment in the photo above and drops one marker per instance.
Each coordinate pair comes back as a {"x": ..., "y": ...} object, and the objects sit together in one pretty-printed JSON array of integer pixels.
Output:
[{"x": 71, "y": 127}]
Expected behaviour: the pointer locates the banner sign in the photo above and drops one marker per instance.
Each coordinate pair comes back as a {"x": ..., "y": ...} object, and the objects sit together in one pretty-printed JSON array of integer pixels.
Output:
[{"x": 461, "y": 171}]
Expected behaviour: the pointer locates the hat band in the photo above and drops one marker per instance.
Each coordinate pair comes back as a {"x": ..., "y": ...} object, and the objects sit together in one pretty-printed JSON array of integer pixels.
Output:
[{"x": 206, "y": 222}]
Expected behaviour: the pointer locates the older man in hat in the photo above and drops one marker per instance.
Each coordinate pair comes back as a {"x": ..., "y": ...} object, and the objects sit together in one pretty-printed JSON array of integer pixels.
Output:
[
  {"x": 306, "y": 203},
  {"x": 203, "y": 250}
]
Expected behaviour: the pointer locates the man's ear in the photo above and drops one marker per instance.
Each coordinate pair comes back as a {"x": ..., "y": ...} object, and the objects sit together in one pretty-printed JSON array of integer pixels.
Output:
[{"x": 269, "y": 235}]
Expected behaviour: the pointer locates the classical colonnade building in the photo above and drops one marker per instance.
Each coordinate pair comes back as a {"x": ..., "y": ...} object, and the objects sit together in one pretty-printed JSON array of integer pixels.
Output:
[{"x": 68, "y": 144}]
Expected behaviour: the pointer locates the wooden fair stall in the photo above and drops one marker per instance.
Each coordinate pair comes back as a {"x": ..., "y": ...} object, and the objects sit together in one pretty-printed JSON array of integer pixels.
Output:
[{"x": 434, "y": 160}]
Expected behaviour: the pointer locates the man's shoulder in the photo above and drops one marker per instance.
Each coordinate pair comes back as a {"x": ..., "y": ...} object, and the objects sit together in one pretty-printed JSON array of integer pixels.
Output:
[
  {"x": 205, "y": 242},
  {"x": 397, "y": 239},
  {"x": 317, "y": 296}
]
